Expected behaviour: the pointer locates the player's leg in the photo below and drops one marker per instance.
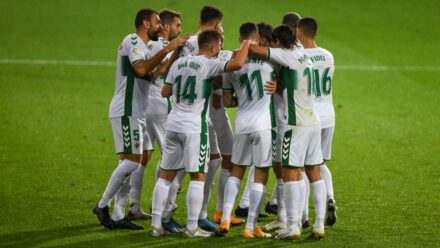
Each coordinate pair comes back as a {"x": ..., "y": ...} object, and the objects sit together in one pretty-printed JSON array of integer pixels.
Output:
[
  {"x": 242, "y": 209},
  {"x": 293, "y": 154},
  {"x": 304, "y": 202},
  {"x": 128, "y": 143},
  {"x": 120, "y": 201},
  {"x": 262, "y": 157},
  {"x": 277, "y": 137},
  {"x": 172, "y": 162},
  {"x": 312, "y": 165},
  {"x": 196, "y": 152},
  {"x": 241, "y": 156},
  {"x": 214, "y": 162},
  {"x": 326, "y": 144}
]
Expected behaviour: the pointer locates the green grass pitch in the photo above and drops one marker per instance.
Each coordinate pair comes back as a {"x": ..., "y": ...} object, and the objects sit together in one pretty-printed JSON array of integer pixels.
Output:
[{"x": 56, "y": 146}]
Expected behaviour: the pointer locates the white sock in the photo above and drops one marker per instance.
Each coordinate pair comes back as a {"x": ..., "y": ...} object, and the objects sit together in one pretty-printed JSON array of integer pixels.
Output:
[
  {"x": 279, "y": 189},
  {"x": 291, "y": 198},
  {"x": 137, "y": 177},
  {"x": 156, "y": 174},
  {"x": 209, "y": 183},
  {"x": 327, "y": 177},
  {"x": 231, "y": 192},
  {"x": 319, "y": 201},
  {"x": 172, "y": 195},
  {"x": 274, "y": 197},
  {"x": 121, "y": 200},
  {"x": 160, "y": 195},
  {"x": 256, "y": 195},
  {"x": 302, "y": 199},
  {"x": 124, "y": 169},
  {"x": 221, "y": 185},
  {"x": 244, "y": 202},
  {"x": 194, "y": 199},
  {"x": 305, "y": 215}
]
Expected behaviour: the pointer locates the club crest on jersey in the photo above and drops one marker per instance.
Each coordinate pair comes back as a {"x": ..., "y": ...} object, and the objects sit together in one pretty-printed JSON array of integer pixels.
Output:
[
  {"x": 136, "y": 145},
  {"x": 137, "y": 51}
]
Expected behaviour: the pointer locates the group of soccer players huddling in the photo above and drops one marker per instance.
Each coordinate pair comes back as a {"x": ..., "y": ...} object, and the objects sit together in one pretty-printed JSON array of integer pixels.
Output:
[{"x": 174, "y": 91}]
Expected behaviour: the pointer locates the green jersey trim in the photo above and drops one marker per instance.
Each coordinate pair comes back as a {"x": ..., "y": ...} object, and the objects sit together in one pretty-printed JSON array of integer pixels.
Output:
[
  {"x": 128, "y": 71},
  {"x": 126, "y": 138},
  {"x": 134, "y": 62},
  {"x": 204, "y": 151},
  {"x": 285, "y": 148},
  {"x": 268, "y": 54},
  {"x": 226, "y": 66}
]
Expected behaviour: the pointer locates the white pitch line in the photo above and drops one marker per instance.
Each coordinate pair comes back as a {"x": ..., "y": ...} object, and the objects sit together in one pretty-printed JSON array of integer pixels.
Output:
[
  {"x": 109, "y": 63},
  {"x": 55, "y": 62}
]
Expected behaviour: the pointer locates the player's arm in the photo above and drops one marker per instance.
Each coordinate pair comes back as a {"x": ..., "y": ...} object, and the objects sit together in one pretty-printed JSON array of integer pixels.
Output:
[
  {"x": 259, "y": 51},
  {"x": 239, "y": 60},
  {"x": 144, "y": 67},
  {"x": 229, "y": 101},
  {"x": 167, "y": 90}
]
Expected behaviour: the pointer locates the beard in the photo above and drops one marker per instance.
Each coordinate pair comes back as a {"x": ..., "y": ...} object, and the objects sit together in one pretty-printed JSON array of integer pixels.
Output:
[{"x": 153, "y": 35}]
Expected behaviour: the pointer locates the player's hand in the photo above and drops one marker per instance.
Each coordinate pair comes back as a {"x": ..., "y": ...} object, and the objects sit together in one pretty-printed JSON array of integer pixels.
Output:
[
  {"x": 161, "y": 69},
  {"x": 270, "y": 87},
  {"x": 175, "y": 43},
  {"x": 216, "y": 101},
  {"x": 186, "y": 37}
]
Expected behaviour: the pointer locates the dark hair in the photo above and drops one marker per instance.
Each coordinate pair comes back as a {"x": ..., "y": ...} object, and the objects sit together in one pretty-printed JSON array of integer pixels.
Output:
[
  {"x": 309, "y": 26},
  {"x": 265, "y": 30},
  {"x": 142, "y": 15},
  {"x": 291, "y": 19},
  {"x": 167, "y": 16},
  {"x": 247, "y": 29},
  {"x": 207, "y": 37},
  {"x": 285, "y": 35},
  {"x": 210, "y": 13}
]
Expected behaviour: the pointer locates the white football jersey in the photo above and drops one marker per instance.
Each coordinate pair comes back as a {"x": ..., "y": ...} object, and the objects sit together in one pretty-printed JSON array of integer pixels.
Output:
[
  {"x": 191, "y": 78},
  {"x": 191, "y": 46},
  {"x": 157, "y": 105},
  {"x": 131, "y": 92},
  {"x": 255, "y": 108},
  {"x": 297, "y": 78},
  {"x": 323, "y": 69},
  {"x": 224, "y": 55}
]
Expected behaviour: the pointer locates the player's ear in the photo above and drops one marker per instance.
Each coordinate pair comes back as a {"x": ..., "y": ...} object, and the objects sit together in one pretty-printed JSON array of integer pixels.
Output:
[
  {"x": 257, "y": 38},
  {"x": 146, "y": 24}
]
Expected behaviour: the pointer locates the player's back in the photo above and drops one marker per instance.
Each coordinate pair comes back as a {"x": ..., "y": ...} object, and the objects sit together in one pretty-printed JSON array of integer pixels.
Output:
[
  {"x": 297, "y": 79},
  {"x": 191, "y": 78},
  {"x": 323, "y": 69},
  {"x": 191, "y": 46},
  {"x": 131, "y": 92},
  {"x": 158, "y": 104},
  {"x": 254, "y": 105}
]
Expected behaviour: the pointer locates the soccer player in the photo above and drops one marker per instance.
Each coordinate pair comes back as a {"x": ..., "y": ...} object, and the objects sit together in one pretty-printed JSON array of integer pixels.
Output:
[
  {"x": 189, "y": 82},
  {"x": 220, "y": 142},
  {"x": 157, "y": 113},
  {"x": 159, "y": 108},
  {"x": 290, "y": 19},
  {"x": 127, "y": 111},
  {"x": 253, "y": 140},
  {"x": 242, "y": 210},
  {"x": 210, "y": 19},
  {"x": 323, "y": 69},
  {"x": 302, "y": 136}
]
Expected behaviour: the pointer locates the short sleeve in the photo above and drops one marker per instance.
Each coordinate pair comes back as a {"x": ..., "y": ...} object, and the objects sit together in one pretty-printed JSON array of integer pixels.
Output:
[
  {"x": 135, "y": 52},
  {"x": 278, "y": 55},
  {"x": 169, "y": 80},
  {"x": 217, "y": 67}
]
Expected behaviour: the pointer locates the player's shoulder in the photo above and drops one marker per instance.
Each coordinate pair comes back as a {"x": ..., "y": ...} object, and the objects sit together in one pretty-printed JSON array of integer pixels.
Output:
[
  {"x": 326, "y": 53},
  {"x": 225, "y": 55}
]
